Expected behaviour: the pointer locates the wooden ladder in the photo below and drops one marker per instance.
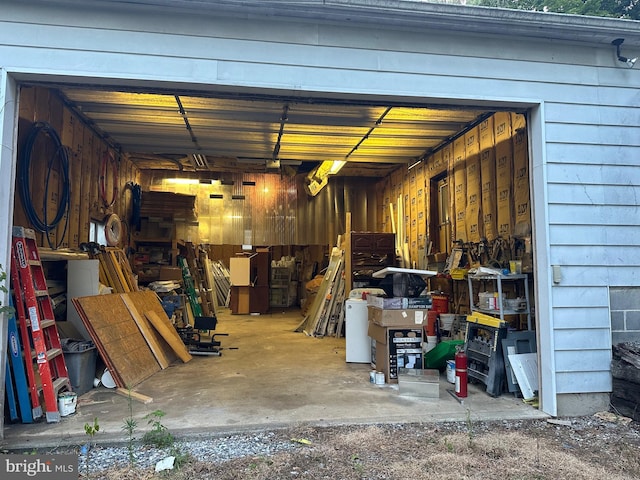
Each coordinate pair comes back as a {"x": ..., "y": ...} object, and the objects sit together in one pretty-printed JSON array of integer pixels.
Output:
[{"x": 40, "y": 339}]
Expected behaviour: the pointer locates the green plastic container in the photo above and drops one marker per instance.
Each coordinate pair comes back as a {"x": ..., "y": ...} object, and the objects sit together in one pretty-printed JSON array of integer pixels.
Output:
[{"x": 443, "y": 351}]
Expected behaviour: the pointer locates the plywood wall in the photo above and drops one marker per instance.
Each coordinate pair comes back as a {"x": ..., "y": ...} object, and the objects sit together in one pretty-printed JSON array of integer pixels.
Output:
[{"x": 95, "y": 189}]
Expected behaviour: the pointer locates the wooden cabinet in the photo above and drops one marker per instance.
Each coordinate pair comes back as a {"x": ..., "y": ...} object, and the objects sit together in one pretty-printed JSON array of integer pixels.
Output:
[
  {"x": 250, "y": 276},
  {"x": 151, "y": 255},
  {"x": 366, "y": 253}
]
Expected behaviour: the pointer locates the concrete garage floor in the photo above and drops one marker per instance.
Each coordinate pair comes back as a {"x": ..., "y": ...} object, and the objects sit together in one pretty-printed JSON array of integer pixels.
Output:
[{"x": 275, "y": 378}]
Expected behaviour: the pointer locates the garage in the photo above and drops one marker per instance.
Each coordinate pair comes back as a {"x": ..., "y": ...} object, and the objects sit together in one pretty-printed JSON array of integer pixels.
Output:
[{"x": 215, "y": 118}]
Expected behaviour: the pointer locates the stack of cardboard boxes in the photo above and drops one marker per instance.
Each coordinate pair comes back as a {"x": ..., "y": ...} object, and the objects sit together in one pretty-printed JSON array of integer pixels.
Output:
[{"x": 396, "y": 336}]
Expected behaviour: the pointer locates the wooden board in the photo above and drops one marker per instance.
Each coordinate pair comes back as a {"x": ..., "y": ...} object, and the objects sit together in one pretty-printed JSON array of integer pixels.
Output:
[
  {"x": 139, "y": 397},
  {"x": 118, "y": 338},
  {"x": 155, "y": 342},
  {"x": 164, "y": 327},
  {"x": 148, "y": 301},
  {"x": 92, "y": 335}
]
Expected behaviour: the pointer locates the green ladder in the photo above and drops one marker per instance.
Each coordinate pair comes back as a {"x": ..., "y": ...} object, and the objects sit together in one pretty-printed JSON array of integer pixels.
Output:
[{"x": 189, "y": 287}]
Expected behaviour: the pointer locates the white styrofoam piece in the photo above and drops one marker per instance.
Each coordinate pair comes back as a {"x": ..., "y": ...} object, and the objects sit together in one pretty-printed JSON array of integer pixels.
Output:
[
  {"x": 525, "y": 368},
  {"x": 386, "y": 271}
]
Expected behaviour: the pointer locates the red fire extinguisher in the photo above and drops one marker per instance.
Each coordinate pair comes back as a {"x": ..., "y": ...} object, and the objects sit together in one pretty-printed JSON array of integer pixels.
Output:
[{"x": 461, "y": 373}]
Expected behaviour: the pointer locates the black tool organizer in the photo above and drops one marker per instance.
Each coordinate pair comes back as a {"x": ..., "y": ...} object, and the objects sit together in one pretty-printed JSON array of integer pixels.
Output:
[{"x": 483, "y": 346}]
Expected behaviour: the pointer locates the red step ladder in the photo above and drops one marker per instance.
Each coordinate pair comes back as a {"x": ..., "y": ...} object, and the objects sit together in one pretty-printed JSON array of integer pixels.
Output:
[{"x": 41, "y": 342}]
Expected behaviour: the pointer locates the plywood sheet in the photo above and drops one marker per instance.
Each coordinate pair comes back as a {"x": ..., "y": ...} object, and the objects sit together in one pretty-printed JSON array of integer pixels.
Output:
[
  {"x": 164, "y": 327},
  {"x": 148, "y": 301},
  {"x": 154, "y": 341},
  {"x": 118, "y": 337},
  {"x": 92, "y": 334}
]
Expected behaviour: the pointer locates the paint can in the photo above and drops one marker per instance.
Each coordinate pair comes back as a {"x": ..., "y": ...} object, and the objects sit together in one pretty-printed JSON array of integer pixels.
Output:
[
  {"x": 379, "y": 378},
  {"x": 67, "y": 402},
  {"x": 451, "y": 371},
  {"x": 372, "y": 376}
]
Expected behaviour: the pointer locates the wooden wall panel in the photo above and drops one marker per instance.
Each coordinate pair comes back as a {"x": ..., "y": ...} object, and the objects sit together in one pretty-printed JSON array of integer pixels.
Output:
[
  {"x": 85, "y": 187},
  {"x": 57, "y": 120},
  {"x": 25, "y": 119},
  {"x": 84, "y": 149}
]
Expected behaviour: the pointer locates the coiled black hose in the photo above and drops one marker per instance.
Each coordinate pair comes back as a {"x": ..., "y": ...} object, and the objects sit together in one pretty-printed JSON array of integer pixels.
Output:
[{"x": 24, "y": 167}]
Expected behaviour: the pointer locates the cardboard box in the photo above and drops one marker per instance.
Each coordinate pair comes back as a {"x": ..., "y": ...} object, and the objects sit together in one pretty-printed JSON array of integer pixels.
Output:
[
  {"x": 409, "y": 317},
  {"x": 419, "y": 382},
  {"x": 393, "y": 347},
  {"x": 398, "y": 303}
]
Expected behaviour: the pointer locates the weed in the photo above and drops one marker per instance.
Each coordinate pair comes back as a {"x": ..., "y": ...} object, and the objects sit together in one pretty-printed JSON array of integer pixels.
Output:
[
  {"x": 158, "y": 435},
  {"x": 357, "y": 464},
  {"x": 469, "y": 428},
  {"x": 129, "y": 427},
  {"x": 181, "y": 457},
  {"x": 448, "y": 445},
  {"x": 8, "y": 309},
  {"x": 90, "y": 430}
]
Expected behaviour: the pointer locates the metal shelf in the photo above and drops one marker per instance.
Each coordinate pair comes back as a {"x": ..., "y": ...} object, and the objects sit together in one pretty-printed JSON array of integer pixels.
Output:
[{"x": 498, "y": 280}]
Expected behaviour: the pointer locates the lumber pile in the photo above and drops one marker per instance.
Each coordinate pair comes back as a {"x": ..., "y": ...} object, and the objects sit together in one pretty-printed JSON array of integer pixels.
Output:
[
  {"x": 115, "y": 269},
  {"x": 195, "y": 260},
  {"x": 222, "y": 281},
  {"x": 326, "y": 314},
  {"x": 168, "y": 205},
  {"x": 133, "y": 334},
  {"x": 625, "y": 369}
]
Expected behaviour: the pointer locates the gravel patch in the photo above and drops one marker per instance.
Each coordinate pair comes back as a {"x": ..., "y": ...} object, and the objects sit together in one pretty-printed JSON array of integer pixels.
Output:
[{"x": 218, "y": 449}]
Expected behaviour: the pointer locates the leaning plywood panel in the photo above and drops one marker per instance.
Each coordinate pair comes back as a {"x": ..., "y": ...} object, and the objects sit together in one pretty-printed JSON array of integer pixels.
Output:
[
  {"x": 119, "y": 338},
  {"x": 154, "y": 340},
  {"x": 164, "y": 327},
  {"x": 103, "y": 353},
  {"x": 148, "y": 301}
]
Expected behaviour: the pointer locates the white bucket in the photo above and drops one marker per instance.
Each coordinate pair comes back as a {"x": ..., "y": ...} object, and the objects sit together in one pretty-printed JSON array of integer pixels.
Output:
[
  {"x": 107, "y": 380},
  {"x": 67, "y": 403},
  {"x": 430, "y": 344},
  {"x": 451, "y": 371},
  {"x": 446, "y": 321}
]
